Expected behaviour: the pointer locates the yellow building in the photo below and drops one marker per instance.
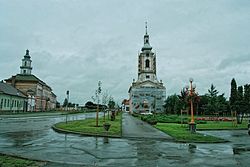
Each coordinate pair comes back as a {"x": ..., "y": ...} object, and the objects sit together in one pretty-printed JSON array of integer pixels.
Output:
[{"x": 40, "y": 95}]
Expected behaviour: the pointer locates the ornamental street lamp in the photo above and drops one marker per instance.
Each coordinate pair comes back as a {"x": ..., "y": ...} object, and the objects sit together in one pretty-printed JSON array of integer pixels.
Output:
[{"x": 191, "y": 93}]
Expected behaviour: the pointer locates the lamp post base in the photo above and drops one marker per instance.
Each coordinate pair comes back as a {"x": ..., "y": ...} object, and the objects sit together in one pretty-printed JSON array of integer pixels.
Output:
[{"x": 192, "y": 127}]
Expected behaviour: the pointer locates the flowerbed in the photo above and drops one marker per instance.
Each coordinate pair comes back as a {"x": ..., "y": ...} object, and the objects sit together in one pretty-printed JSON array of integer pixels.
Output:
[{"x": 214, "y": 119}]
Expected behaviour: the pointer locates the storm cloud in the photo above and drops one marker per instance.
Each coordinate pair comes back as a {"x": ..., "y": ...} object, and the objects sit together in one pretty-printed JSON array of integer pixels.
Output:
[{"x": 74, "y": 44}]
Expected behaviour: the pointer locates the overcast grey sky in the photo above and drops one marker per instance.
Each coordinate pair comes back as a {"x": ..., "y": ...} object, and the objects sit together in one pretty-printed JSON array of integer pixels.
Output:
[{"x": 75, "y": 43}]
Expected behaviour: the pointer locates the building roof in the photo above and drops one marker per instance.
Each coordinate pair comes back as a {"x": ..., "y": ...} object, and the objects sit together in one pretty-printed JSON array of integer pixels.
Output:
[
  {"x": 10, "y": 90},
  {"x": 27, "y": 55},
  {"x": 53, "y": 94},
  {"x": 147, "y": 84},
  {"x": 146, "y": 46},
  {"x": 125, "y": 102},
  {"x": 31, "y": 78}
]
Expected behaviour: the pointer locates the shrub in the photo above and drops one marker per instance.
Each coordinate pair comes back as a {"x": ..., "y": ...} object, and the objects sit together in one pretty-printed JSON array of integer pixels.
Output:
[
  {"x": 135, "y": 115},
  {"x": 152, "y": 121},
  {"x": 201, "y": 122}
]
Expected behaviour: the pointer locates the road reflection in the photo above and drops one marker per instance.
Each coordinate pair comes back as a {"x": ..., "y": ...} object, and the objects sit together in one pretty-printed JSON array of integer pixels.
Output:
[
  {"x": 34, "y": 138},
  {"x": 192, "y": 148}
]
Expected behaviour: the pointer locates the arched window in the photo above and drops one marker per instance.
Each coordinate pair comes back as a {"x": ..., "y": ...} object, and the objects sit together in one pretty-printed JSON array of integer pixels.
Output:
[
  {"x": 25, "y": 63},
  {"x": 147, "y": 63}
]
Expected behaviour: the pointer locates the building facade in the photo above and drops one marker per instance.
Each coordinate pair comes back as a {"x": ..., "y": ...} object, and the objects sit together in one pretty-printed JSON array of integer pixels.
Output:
[
  {"x": 40, "y": 95},
  {"x": 11, "y": 99},
  {"x": 125, "y": 105},
  {"x": 147, "y": 94}
]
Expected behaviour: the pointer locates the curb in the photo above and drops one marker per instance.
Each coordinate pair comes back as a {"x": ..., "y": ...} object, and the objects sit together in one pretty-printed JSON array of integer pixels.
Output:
[
  {"x": 201, "y": 142},
  {"x": 59, "y": 130},
  {"x": 220, "y": 129},
  {"x": 24, "y": 158}
]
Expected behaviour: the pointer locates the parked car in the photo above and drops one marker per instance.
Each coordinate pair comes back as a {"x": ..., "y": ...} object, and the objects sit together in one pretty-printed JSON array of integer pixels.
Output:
[{"x": 146, "y": 113}]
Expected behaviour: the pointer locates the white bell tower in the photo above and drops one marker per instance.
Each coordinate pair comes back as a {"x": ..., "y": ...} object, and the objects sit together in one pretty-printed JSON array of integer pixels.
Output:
[
  {"x": 25, "y": 68},
  {"x": 147, "y": 61},
  {"x": 147, "y": 94}
]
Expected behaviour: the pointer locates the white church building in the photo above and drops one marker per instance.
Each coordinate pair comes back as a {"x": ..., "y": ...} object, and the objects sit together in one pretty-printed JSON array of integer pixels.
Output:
[{"x": 147, "y": 94}]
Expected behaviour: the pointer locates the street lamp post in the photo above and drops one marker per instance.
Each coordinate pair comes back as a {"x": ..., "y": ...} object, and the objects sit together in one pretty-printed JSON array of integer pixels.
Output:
[
  {"x": 192, "y": 124},
  {"x": 67, "y": 93},
  {"x": 98, "y": 92}
]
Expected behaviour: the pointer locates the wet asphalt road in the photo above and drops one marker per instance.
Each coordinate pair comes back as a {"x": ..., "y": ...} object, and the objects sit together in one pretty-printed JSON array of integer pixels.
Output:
[{"x": 32, "y": 137}]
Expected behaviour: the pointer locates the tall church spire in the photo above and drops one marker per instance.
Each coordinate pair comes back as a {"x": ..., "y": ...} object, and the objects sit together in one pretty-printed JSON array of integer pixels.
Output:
[
  {"x": 26, "y": 68},
  {"x": 147, "y": 61},
  {"x": 147, "y": 94}
]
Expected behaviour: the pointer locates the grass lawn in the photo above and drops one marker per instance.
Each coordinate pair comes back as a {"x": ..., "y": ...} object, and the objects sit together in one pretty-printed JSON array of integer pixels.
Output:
[
  {"x": 219, "y": 125},
  {"x": 9, "y": 161},
  {"x": 180, "y": 133},
  {"x": 88, "y": 126}
]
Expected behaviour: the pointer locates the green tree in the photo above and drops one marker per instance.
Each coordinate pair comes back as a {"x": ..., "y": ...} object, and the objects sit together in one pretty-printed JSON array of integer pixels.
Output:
[
  {"x": 212, "y": 106},
  {"x": 96, "y": 98},
  {"x": 222, "y": 104},
  {"x": 246, "y": 98},
  {"x": 239, "y": 105},
  {"x": 216, "y": 104},
  {"x": 183, "y": 97},
  {"x": 65, "y": 102},
  {"x": 240, "y": 93},
  {"x": 212, "y": 92},
  {"x": 173, "y": 104},
  {"x": 203, "y": 104},
  {"x": 105, "y": 98},
  {"x": 233, "y": 95},
  {"x": 111, "y": 103},
  {"x": 196, "y": 101}
]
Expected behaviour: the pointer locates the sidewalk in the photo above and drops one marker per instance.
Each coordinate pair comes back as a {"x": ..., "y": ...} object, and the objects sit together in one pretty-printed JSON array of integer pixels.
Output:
[
  {"x": 30, "y": 114},
  {"x": 135, "y": 128}
]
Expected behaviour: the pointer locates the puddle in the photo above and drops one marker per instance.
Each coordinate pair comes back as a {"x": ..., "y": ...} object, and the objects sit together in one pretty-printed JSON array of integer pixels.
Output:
[{"x": 238, "y": 149}]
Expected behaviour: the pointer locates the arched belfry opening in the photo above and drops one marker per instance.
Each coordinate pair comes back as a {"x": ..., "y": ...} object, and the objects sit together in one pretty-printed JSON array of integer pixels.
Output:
[{"x": 147, "y": 62}]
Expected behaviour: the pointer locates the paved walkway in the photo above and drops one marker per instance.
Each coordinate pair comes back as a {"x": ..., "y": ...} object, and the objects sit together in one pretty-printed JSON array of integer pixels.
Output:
[{"x": 135, "y": 128}]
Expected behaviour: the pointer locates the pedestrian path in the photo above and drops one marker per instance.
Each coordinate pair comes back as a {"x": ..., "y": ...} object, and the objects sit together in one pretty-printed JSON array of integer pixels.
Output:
[{"x": 135, "y": 128}]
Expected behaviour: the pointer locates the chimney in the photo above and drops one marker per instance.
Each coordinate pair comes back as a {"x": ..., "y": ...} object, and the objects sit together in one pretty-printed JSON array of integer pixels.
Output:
[{"x": 13, "y": 81}]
